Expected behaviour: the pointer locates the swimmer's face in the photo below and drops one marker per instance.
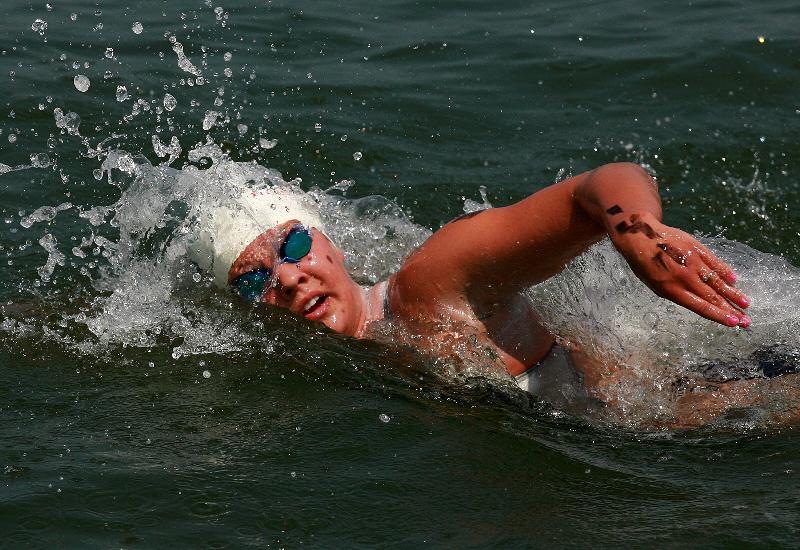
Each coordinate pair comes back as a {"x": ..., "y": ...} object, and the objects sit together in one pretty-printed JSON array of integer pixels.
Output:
[{"x": 317, "y": 287}]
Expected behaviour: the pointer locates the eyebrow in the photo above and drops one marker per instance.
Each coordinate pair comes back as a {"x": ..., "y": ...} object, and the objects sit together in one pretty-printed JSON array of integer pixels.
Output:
[{"x": 256, "y": 264}]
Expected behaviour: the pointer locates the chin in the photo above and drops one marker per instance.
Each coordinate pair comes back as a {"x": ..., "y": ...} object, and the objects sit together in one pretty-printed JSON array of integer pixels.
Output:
[{"x": 339, "y": 325}]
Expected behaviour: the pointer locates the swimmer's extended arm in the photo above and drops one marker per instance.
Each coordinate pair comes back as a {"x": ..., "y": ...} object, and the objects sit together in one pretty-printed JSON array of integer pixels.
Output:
[{"x": 487, "y": 257}]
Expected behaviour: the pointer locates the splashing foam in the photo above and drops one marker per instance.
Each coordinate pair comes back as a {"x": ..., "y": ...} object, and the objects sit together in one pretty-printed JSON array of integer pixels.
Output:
[
  {"x": 153, "y": 294},
  {"x": 599, "y": 304}
]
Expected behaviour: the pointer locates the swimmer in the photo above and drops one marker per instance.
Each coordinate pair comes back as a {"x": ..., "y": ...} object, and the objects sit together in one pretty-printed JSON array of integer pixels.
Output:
[{"x": 465, "y": 283}]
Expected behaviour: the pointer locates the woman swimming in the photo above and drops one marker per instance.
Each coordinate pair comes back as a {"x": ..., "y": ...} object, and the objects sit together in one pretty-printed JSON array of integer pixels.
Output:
[{"x": 465, "y": 283}]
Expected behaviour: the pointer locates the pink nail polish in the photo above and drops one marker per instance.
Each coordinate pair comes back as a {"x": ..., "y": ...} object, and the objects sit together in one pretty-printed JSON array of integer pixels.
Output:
[
  {"x": 731, "y": 320},
  {"x": 744, "y": 301},
  {"x": 732, "y": 278},
  {"x": 745, "y": 321}
]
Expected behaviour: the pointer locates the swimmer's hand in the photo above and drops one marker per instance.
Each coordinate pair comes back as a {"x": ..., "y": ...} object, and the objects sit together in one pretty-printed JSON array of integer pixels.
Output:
[{"x": 677, "y": 267}]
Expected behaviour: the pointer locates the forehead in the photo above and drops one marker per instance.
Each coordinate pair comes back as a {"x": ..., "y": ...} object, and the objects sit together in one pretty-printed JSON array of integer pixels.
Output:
[{"x": 262, "y": 251}]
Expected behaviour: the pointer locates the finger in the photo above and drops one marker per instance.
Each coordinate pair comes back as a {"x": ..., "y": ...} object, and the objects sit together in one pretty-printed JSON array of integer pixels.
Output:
[
  {"x": 730, "y": 293},
  {"x": 677, "y": 255},
  {"x": 703, "y": 308},
  {"x": 711, "y": 260},
  {"x": 705, "y": 292}
]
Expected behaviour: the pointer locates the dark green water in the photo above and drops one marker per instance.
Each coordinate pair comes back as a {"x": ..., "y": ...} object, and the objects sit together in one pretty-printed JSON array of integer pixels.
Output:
[{"x": 137, "y": 411}]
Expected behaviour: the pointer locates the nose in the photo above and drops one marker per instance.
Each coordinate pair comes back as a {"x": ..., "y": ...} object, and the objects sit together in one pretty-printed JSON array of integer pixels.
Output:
[{"x": 288, "y": 276}]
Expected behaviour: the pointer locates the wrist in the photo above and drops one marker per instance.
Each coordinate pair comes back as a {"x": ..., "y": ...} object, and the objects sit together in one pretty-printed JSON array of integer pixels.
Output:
[{"x": 622, "y": 226}]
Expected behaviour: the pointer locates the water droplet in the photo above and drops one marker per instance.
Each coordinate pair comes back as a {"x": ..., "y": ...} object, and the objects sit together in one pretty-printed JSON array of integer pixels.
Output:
[
  {"x": 137, "y": 27},
  {"x": 228, "y": 56},
  {"x": 318, "y": 127},
  {"x": 122, "y": 93},
  {"x": 12, "y": 138},
  {"x": 82, "y": 83},
  {"x": 761, "y": 39},
  {"x": 267, "y": 143},
  {"x": 170, "y": 102},
  {"x": 293, "y": 474},
  {"x": 109, "y": 53},
  {"x": 383, "y": 417},
  {"x": 344, "y": 137},
  {"x": 206, "y": 374},
  {"x": 197, "y": 277},
  {"x": 40, "y": 160},
  {"x": 39, "y": 26},
  {"x": 73, "y": 16},
  {"x": 210, "y": 119},
  {"x": 357, "y": 155},
  {"x": 228, "y": 72},
  {"x": 242, "y": 129}
]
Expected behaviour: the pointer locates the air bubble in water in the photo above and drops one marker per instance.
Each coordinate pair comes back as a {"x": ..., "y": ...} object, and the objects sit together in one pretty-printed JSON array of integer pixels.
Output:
[
  {"x": 12, "y": 138},
  {"x": 137, "y": 27},
  {"x": 383, "y": 417},
  {"x": 318, "y": 127},
  {"x": 39, "y": 26},
  {"x": 242, "y": 129},
  {"x": 357, "y": 155},
  {"x": 170, "y": 102},
  {"x": 109, "y": 53},
  {"x": 228, "y": 72},
  {"x": 81, "y": 82},
  {"x": 206, "y": 374},
  {"x": 73, "y": 16},
  {"x": 228, "y": 56},
  {"x": 344, "y": 137},
  {"x": 122, "y": 93}
]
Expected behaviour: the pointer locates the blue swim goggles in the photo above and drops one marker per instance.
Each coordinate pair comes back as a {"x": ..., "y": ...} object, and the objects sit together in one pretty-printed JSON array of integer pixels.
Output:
[{"x": 295, "y": 246}]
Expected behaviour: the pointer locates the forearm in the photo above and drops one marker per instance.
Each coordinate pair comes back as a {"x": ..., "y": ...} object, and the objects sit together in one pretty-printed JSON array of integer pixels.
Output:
[{"x": 616, "y": 196}]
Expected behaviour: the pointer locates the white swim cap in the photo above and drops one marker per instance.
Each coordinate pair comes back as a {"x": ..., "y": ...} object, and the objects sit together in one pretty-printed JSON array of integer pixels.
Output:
[{"x": 225, "y": 231}]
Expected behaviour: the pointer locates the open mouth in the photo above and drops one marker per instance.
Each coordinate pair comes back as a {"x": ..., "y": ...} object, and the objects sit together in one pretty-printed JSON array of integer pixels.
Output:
[{"x": 315, "y": 305}]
